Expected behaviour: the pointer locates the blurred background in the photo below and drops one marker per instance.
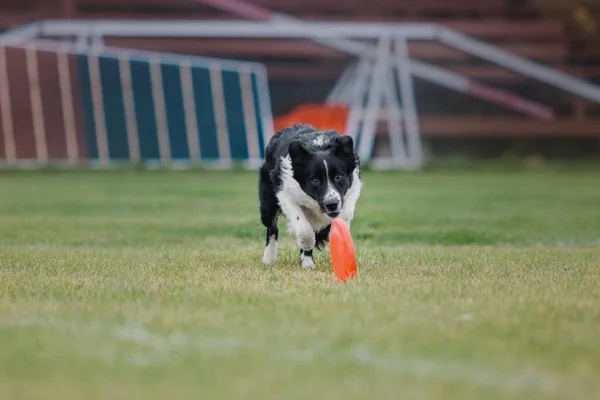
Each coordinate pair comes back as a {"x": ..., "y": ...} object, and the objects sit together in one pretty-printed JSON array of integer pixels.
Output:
[
  {"x": 562, "y": 34},
  {"x": 479, "y": 269}
]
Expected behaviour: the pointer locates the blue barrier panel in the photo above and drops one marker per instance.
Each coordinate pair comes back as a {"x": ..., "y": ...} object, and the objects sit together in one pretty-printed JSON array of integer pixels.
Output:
[
  {"x": 173, "y": 98},
  {"x": 234, "y": 108},
  {"x": 144, "y": 110},
  {"x": 205, "y": 114},
  {"x": 114, "y": 108},
  {"x": 150, "y": 107},
  {"x": 257, "y": 112},
  {"x": 227, "y": 120},
  {"x": 88, "y": 107}
]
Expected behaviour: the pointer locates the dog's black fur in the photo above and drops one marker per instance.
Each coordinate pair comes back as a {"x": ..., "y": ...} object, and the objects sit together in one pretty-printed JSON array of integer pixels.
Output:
[{"x": 322, "y": 164}]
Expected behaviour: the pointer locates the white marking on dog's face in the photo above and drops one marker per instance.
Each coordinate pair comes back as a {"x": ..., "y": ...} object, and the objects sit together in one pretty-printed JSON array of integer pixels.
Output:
[
  {"x": 319, "y": 141},
  {"x": 332, "y": 196}
]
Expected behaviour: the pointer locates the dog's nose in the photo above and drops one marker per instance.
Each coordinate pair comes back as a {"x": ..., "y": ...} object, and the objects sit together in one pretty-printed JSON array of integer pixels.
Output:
[{"x": 332, "y": 206}]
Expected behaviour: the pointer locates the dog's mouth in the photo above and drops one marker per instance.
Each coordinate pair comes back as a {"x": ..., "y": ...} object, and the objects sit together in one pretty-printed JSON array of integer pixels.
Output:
[
  {"x": 331, "y": 208},
  {"x": 331, "y": 214}
]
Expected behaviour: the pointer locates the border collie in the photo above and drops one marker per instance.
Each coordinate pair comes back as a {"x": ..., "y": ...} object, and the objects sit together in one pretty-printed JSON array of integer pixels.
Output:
[{"x": 311, "y": 177}]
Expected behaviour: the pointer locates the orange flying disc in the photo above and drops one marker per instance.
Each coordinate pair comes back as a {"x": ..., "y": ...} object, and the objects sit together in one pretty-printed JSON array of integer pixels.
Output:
[{"x": 341, "y": 248}]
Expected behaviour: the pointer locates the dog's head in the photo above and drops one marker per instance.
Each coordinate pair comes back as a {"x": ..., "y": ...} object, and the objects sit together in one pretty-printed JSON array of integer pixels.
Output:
[{"x": 325, "y": 175}]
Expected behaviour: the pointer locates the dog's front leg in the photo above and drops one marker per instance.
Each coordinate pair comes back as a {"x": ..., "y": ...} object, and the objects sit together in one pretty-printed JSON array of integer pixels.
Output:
[
  {"x": 351, "y": 198},
  {"x": 305, "y": 236}
]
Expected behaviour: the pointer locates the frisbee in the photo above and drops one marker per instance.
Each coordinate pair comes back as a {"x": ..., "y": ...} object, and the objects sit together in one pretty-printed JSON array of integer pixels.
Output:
[{"x": 341, "y": 248}]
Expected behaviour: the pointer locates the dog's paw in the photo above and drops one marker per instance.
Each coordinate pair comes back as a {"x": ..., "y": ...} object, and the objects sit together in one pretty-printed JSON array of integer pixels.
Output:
[
  {"x": 270, "y": 254},
  {"x": 305, "y": 238},
  {"x": 307, "y": 262}
]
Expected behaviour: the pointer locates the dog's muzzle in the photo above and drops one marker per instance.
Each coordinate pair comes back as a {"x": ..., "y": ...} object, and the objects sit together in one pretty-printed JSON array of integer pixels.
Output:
[{"x": 332, "y": 208}]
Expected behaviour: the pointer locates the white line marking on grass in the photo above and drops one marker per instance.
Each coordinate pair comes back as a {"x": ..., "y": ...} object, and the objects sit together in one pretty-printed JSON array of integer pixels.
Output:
[
  {"x": 465, "y": 318},
  {"x": 165, "y": 349},
  {"x": 24, "y": 322},
  {"x": 361, "y": 356},
  {"x": 428, "y": 368},
  {"x": 174, "y": 341}
]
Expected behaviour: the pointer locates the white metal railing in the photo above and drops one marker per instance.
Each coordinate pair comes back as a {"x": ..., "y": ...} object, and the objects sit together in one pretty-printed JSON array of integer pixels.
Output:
[
  {"x": 321, "y": 30},
  {"x": 354, "y": 80},
  {"x": 337, "y": 35}
]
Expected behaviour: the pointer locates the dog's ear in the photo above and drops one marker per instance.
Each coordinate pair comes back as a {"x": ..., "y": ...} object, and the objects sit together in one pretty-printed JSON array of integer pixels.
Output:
[
  {"x": 299, "y": 154},
  {"x": 343, "y": 148}
]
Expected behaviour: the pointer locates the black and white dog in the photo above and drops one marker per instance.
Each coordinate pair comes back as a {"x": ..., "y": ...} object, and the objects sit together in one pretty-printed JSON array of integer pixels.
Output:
[{"x": 311, "y": 177}]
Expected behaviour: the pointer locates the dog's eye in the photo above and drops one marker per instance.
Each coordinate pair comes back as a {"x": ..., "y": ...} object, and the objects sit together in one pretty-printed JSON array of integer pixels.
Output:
[
  {"x": 338, "y": 177},
  {"x": 315, "y": 181}
]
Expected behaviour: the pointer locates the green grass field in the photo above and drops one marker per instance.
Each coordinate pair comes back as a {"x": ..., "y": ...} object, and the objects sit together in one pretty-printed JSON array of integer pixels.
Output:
[{"x": 148, "y": 285}]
